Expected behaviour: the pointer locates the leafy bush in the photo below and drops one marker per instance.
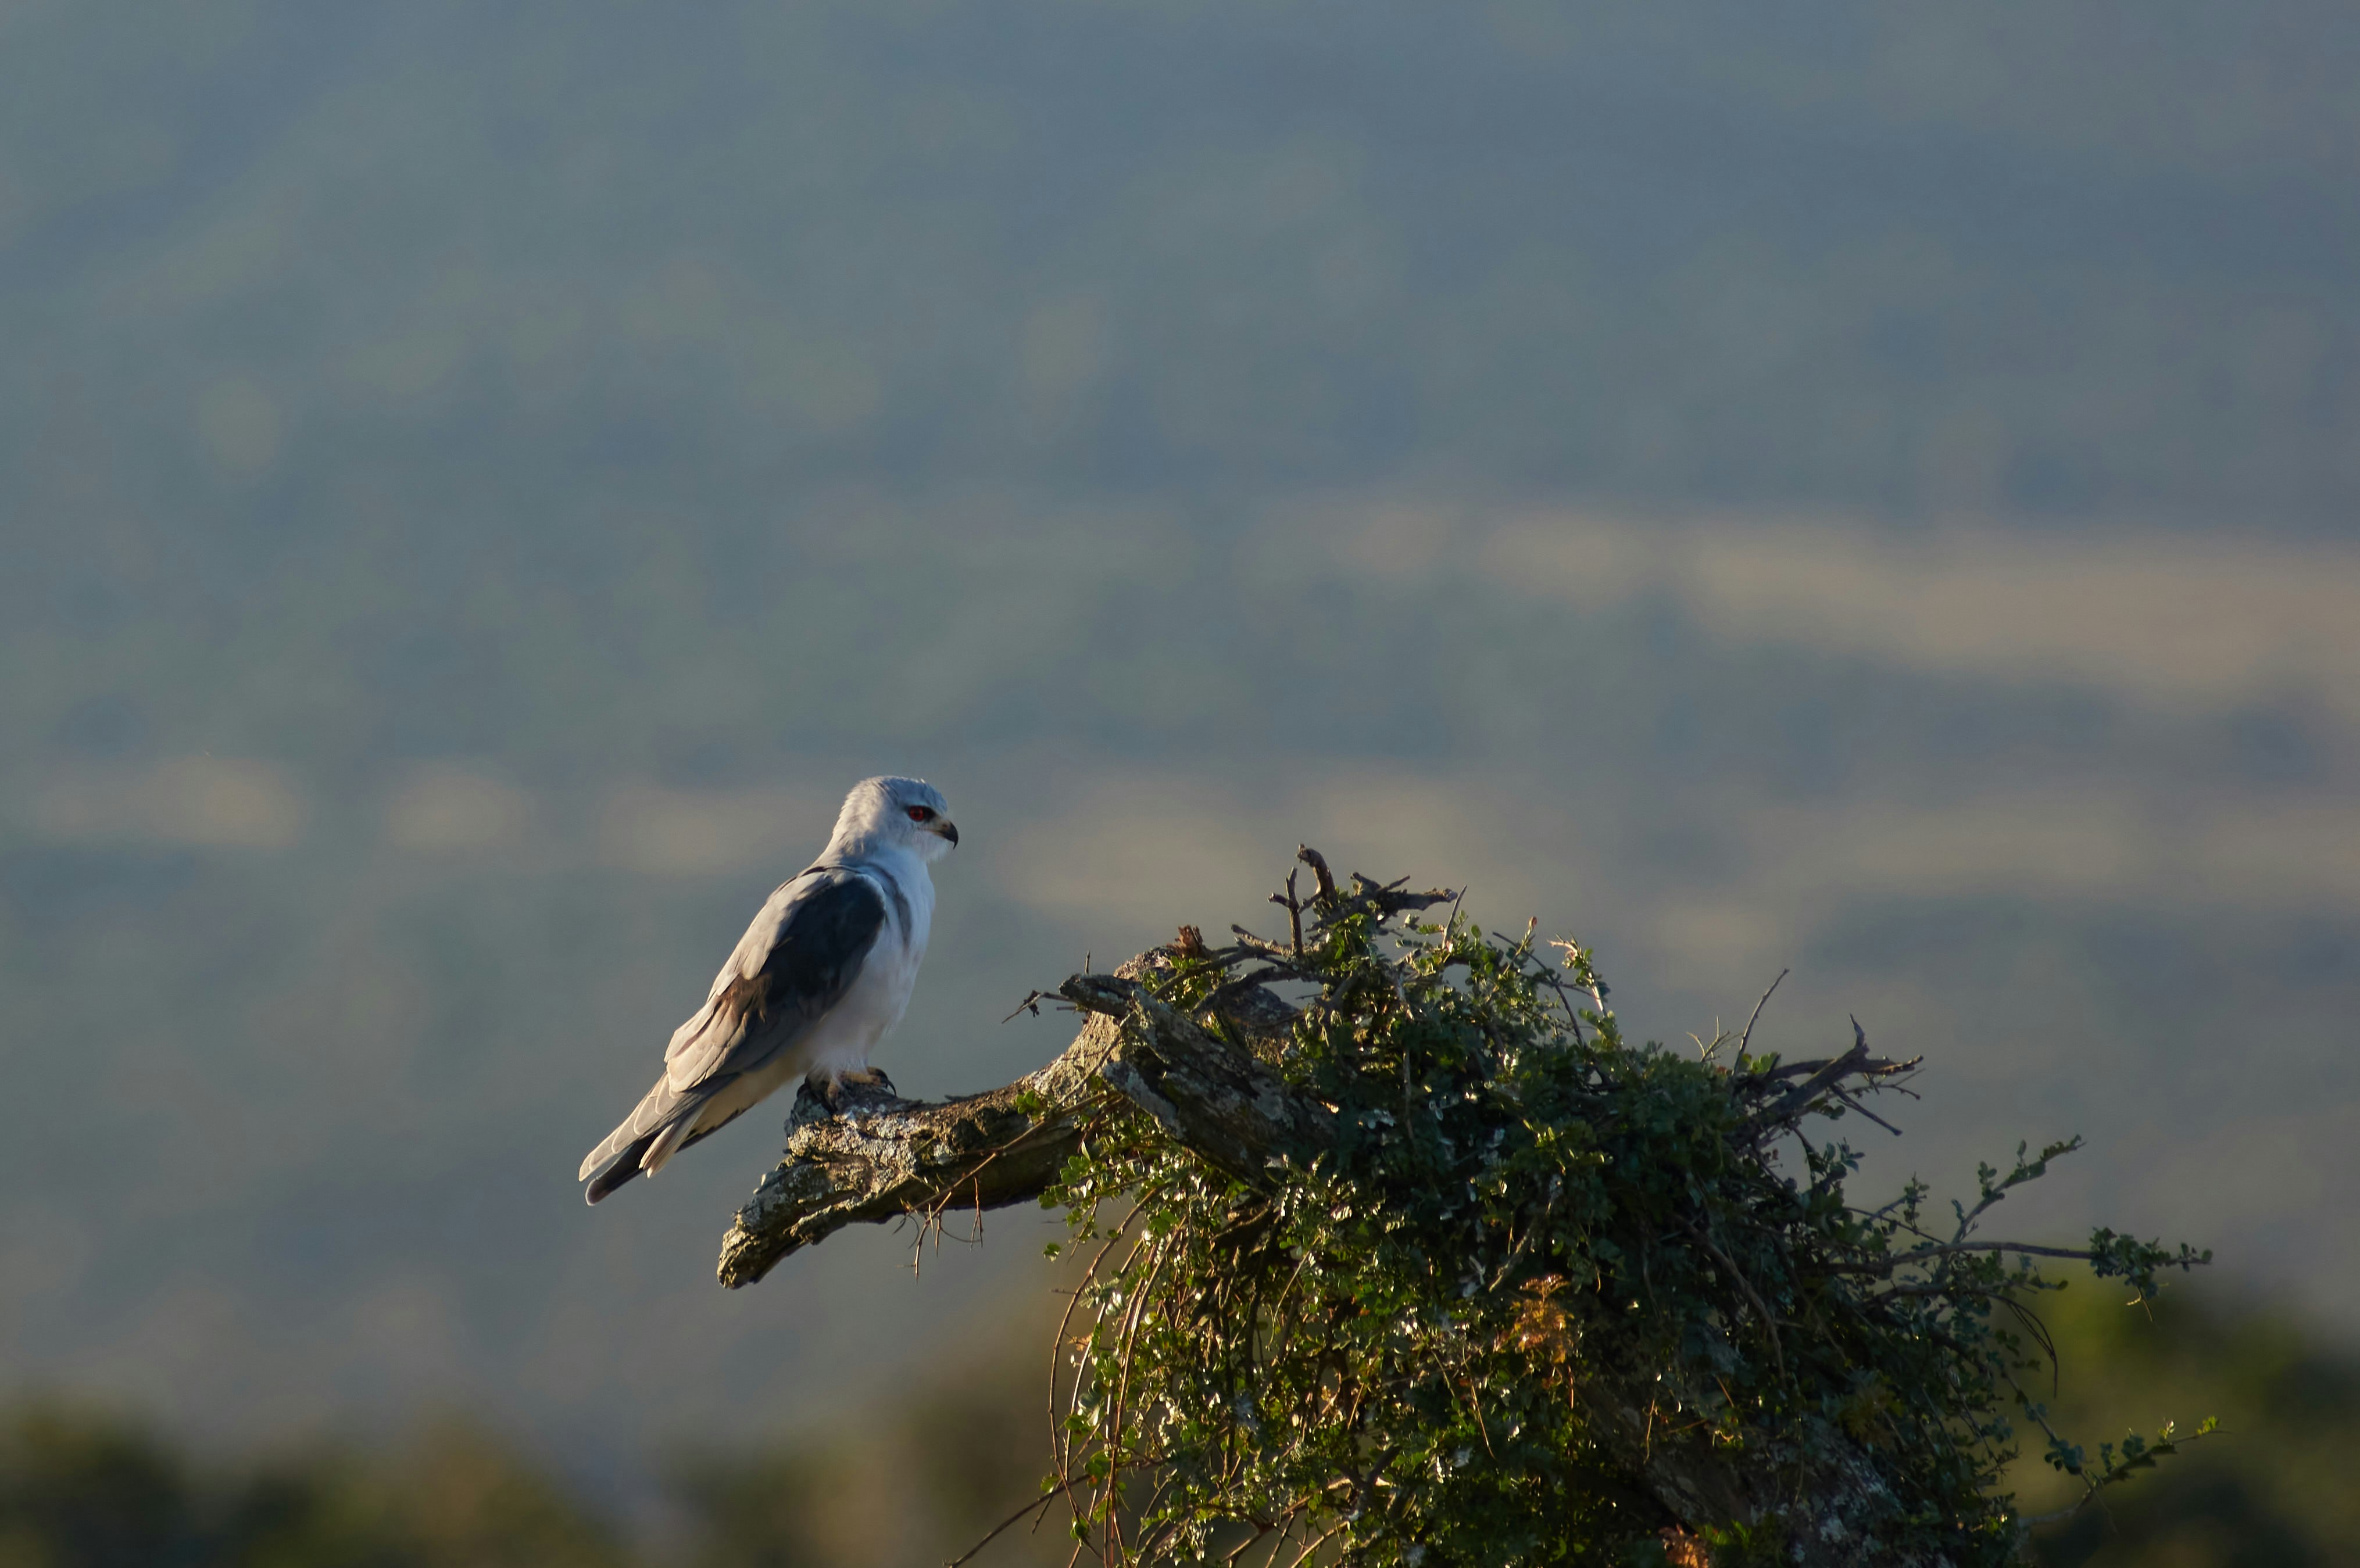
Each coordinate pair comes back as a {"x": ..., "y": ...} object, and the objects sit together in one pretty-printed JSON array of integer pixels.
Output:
[{"x": 1545, "y": 1296}]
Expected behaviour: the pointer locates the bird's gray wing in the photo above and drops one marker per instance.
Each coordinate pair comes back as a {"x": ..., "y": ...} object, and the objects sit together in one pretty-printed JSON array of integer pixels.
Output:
[
  {"x": 803, "y": 951},
  {"x": 795, "y": 963}
]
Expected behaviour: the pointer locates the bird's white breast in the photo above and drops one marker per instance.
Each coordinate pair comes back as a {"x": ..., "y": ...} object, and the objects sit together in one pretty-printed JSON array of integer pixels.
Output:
[{"x": 880, "y": 994}]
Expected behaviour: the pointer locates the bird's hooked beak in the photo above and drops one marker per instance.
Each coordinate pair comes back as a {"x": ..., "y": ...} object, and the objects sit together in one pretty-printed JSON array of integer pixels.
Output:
[{"x": 947, "y": 828}]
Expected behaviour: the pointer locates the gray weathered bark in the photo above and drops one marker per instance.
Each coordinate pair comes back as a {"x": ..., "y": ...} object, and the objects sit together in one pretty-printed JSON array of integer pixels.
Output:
[{"x": 878, "y": 1157}]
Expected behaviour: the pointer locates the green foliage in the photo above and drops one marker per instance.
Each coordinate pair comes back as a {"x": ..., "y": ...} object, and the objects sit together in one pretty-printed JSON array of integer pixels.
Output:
[{"x": 1546, "y": 1281}]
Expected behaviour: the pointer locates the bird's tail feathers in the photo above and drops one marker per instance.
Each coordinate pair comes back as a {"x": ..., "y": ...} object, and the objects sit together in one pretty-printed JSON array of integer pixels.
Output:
[
  {"x": 651, "y": 1134},
  {"x": 670, "y": 1141},
  {"x": 619, "y": 1168}
]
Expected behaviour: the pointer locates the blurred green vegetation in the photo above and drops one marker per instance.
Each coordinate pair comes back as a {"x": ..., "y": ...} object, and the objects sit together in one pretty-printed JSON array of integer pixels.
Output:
[
  {"x": 947, "y": 1449},
  {"x": 2278, "y": 1484},
  {"x": 79, "y": 1489},
  {"x": 929, "y": 1470}
]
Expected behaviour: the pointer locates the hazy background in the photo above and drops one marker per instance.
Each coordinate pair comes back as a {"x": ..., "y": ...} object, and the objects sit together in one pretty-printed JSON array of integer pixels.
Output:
[{"x": 1866, "y": 488}]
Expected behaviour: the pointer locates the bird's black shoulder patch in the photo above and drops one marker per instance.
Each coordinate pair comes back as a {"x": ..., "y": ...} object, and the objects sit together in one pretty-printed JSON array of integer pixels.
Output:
[{"x": 821, "y": 946}]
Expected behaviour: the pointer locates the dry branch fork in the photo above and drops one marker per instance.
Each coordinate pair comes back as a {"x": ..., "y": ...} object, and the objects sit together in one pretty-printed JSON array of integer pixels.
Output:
[{"x": 878, "y": 1157}]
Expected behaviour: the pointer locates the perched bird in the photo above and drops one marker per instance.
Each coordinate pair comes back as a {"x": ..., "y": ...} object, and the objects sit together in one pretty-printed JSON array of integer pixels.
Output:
[{"x": 820, "y": 977}]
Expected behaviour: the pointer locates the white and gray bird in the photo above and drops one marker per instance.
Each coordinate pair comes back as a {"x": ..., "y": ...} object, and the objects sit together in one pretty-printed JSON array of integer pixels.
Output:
[{"x": 820, "y": 977}]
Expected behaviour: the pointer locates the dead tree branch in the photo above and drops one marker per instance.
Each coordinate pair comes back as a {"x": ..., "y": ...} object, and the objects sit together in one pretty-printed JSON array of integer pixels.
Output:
[{"x": 879, "y": 1157}]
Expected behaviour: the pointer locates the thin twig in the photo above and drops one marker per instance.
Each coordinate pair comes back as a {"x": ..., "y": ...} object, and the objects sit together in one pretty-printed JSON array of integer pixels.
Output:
[
  {"x": 1860, "y": 1109},
  {"x": 1034, "y": 1506},
  {"x": 1127, "y": 1332},
  {"x": 1032, "y": 1004},
  {"x": 1293, "y": 912},
  {"x": 1061, "y": 1445},
  {"x": 1285, "y": 1526},
  {"x": 1903, "y": 1259},
  {"x": 1249, "y": 1544},
  {"x": 1765, "y": 1002},
  {"x": 1304, "y": 1556}
]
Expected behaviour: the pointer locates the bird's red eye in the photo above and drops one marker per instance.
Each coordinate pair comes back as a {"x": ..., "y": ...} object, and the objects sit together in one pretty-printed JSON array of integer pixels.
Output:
[{"x": 919, "y": 813}]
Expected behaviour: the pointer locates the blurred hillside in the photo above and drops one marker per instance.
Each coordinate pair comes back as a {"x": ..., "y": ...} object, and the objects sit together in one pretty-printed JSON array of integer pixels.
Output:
[{"x": 1866, "y": 488}]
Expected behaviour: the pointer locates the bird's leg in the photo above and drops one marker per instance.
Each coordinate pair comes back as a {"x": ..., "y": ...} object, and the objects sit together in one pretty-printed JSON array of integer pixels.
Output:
[{"x": 820, "y": 1099}]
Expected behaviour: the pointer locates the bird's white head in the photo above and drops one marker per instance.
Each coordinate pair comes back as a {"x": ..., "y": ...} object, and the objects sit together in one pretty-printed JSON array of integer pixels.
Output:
[{"x": 888, "y": 813}]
